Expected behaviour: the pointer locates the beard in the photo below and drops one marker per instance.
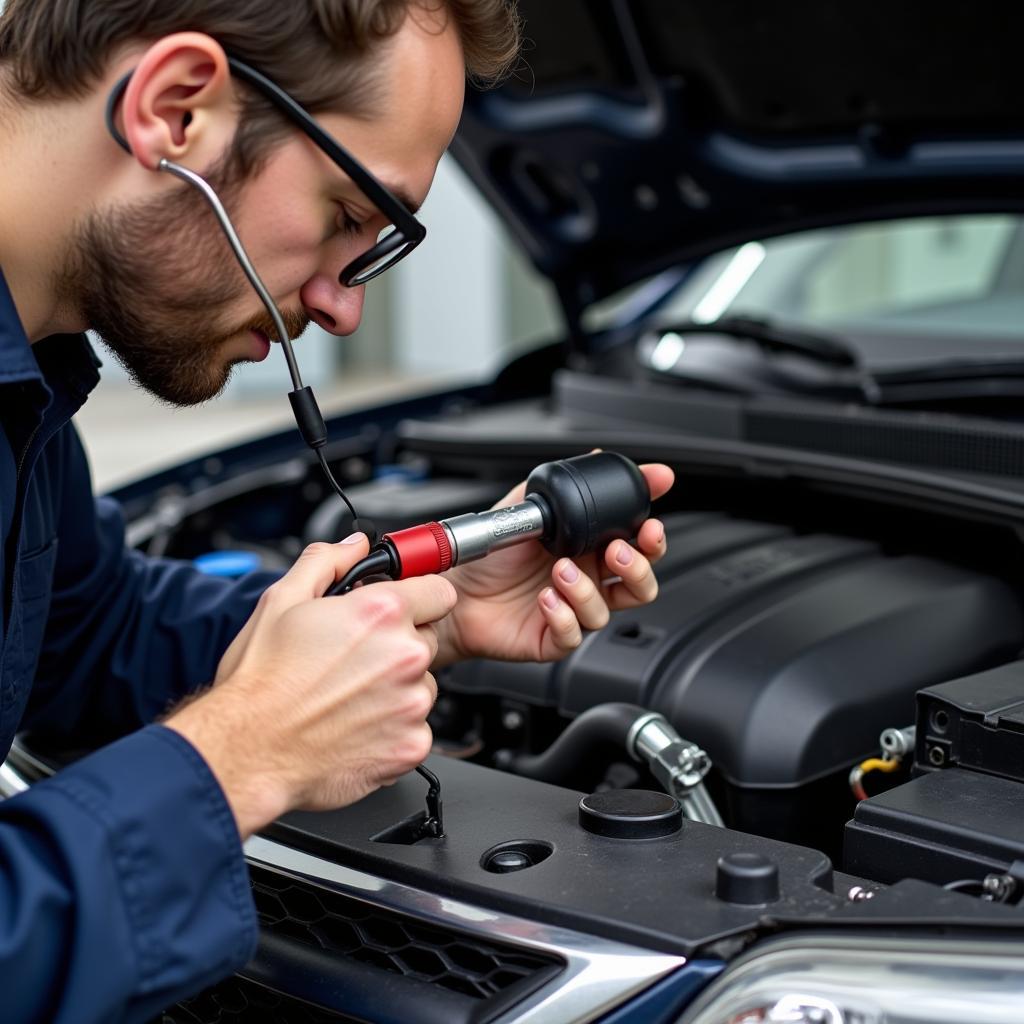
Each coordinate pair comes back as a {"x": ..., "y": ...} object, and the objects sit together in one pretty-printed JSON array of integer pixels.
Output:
[{"x": 152, "y": 279}]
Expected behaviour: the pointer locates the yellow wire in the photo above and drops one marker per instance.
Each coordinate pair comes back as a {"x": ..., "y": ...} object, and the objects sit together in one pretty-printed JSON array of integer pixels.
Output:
[{"x": 873, "y": 764}]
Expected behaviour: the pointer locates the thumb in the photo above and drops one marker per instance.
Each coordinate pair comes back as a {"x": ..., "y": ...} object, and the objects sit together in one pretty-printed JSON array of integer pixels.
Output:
[
  {"x": 319, "y": 566},
  {"x": 659, "y": 477}
]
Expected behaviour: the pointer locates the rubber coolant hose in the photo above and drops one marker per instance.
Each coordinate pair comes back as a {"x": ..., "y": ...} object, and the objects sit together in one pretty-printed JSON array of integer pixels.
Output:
[{"x": 604, "y": 724}]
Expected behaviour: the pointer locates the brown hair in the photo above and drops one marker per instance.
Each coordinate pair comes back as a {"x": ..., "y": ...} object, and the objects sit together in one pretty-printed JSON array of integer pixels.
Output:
[{"x": 319, "y": 51}]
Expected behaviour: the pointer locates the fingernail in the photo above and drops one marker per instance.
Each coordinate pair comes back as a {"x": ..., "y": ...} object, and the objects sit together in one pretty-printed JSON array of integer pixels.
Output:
[
  {"x": 549, "y": 599},
  {"x": 352, "y": 538},
  {"x": 659, "y": 534},
  {"x": 569, "y": 573},
  {"x": 624, "y": 555}
]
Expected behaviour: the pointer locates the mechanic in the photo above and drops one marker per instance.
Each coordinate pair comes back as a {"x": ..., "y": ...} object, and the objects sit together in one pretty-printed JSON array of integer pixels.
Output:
[{"x": 123, "y": 887}]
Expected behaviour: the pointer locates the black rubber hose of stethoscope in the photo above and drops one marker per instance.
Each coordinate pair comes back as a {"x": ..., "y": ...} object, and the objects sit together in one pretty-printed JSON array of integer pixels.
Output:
[
  {"x": 378, "y": 562},
  {"x": 359, "y": 523}
]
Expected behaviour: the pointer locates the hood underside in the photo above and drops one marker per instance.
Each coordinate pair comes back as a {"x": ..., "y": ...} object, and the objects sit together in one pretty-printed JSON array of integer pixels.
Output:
[{"x": 641, "y": 135}]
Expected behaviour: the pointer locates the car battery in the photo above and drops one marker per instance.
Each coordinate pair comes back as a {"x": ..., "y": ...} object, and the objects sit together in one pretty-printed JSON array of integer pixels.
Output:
[
  {"x": 962, "y": 815},
  {"x": 939, "y": 827},
  {"x": 975, "y": 722}
]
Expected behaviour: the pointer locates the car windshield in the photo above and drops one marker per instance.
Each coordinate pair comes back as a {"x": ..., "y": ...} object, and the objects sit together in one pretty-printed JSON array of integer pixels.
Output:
[{"x": 956, "y": 282}]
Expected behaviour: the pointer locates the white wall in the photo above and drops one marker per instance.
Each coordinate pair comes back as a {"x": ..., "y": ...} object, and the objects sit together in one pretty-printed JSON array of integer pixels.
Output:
[{"x": 448, "y": 298}]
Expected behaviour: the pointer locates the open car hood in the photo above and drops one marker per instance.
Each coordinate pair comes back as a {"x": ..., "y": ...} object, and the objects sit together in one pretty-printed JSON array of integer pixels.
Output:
[{"x": 643, "y": 134}]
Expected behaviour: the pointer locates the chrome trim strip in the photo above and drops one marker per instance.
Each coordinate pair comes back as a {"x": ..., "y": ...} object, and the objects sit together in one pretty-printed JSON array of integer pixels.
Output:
[
  {"x": 600, "y": 974},
  {"x": 11, "y": 783}
]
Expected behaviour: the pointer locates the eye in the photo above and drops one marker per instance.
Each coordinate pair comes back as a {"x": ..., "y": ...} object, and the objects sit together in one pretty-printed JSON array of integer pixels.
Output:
[{"x": 347, "y": 223}]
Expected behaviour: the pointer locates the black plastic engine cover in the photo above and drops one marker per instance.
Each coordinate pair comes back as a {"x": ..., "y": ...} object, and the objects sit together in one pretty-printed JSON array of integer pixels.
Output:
[{"x": 783, "y": 656}]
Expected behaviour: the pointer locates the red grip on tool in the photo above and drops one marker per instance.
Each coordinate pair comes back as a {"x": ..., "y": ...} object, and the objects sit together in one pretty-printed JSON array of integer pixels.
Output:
[{"x": 421, "y": 550}]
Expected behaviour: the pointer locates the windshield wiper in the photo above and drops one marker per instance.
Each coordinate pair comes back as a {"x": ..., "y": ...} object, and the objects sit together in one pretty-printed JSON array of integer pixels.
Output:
[
  {"x": 744, "y": 355},
  {"x": 831, "y": 367},
  {"x": 824, "y": 348}
]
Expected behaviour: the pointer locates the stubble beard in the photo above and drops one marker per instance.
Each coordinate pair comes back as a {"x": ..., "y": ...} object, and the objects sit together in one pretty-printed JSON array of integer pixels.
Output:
[{"x": 152, "y": 280}]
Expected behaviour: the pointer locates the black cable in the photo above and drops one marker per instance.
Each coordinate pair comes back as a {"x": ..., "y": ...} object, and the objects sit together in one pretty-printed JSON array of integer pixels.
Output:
[
  {"x": 364, "y": 525},
  {"x": 433, "y": 824},
  {"x": 376, "y": 563},
  {"x": 334, "y": 483}
]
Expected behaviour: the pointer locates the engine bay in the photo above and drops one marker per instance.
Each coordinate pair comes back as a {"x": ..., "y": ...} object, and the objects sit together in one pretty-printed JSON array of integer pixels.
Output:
[
  {"x": 794, "y": 627},
  {"x": 815, "y": 727}
]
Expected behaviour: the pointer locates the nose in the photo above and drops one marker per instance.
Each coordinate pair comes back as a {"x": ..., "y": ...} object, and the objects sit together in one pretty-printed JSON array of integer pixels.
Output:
[{"x": 331, "y": 305}]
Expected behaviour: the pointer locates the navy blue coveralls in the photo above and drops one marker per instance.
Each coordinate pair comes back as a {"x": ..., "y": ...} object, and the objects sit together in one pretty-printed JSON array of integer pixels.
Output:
[{"x": 122, "y": 881}]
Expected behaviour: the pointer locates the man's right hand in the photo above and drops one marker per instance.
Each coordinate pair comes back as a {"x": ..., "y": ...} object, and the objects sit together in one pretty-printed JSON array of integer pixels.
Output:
[{"x": 319, "y": 701}]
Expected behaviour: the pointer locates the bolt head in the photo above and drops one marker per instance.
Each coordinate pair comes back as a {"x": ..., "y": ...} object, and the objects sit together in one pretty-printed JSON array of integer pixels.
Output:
[
  {"x": 858, "y": 894},
  {"x": 512, "y": 719}
]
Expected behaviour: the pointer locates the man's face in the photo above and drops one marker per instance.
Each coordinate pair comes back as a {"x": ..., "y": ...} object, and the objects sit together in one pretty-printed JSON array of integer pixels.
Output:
[{"x": 158, "y": 282}]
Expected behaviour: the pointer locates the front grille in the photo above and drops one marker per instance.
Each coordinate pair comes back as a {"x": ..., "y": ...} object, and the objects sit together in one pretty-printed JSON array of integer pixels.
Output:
[
  {"x": 390, "y": 941},
  {"x": 238, "y": 999}
]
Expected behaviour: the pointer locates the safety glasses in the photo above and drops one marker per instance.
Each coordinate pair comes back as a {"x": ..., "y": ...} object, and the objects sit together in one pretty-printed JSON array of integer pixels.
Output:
[{"x": 394, "y": 243}]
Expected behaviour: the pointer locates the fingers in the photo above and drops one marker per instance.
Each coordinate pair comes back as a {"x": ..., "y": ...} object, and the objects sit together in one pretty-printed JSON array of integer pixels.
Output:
[
  {"x": 576, "y": 603},
  {"x": 429, "y": 637},
  {"x": 581, "y": 593},
  {"x": 427, "y": 598},
  {"x": 636, "y": 584},
  {"x": 316, "y": 569},
  {"x": 431, "y": 684},
  {"x": 651, "y": 540},
  {"x": 416, "y": 736},
  {"x": 415, "y": 749},
  {"x": 563, "y": 633}
]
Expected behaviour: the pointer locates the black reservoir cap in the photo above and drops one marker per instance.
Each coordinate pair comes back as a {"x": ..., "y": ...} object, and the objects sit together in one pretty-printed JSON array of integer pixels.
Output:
[
  {"x": 631, "y": 814},
  {"x": 747, "y": 878}
]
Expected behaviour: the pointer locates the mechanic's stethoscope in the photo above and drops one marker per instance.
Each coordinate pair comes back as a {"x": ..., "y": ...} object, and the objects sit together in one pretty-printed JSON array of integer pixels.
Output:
[
  {"x": 572, "y": 506},
  {"x": 308, "y": 417}
]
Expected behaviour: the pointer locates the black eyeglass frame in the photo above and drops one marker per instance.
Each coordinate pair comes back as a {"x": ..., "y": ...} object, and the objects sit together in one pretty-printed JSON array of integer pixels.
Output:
[{"x": 408, "y": 231}]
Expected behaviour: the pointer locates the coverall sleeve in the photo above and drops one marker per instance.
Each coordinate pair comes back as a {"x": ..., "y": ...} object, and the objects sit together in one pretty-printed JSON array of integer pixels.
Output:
[
  {"x": 127, "y": 635},
  {"x": 122, "y": 886},
  {"x": 122, "y": 881}
]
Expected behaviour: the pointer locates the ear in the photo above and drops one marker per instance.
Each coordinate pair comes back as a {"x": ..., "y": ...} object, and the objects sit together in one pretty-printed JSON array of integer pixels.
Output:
[{"x": 178, "y": 100}]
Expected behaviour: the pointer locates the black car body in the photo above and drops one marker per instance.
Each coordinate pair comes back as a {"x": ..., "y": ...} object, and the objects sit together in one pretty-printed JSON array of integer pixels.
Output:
[{"x": 845, "y": 558}]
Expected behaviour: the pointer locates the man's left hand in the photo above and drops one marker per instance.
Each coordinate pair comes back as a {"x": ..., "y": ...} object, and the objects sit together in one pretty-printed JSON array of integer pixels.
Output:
[{"x": 520, "y": 604}]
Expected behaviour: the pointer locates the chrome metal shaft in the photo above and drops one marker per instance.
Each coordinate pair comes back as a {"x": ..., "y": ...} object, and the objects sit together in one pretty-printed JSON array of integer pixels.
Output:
[{"x": 476, "y": 534}]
